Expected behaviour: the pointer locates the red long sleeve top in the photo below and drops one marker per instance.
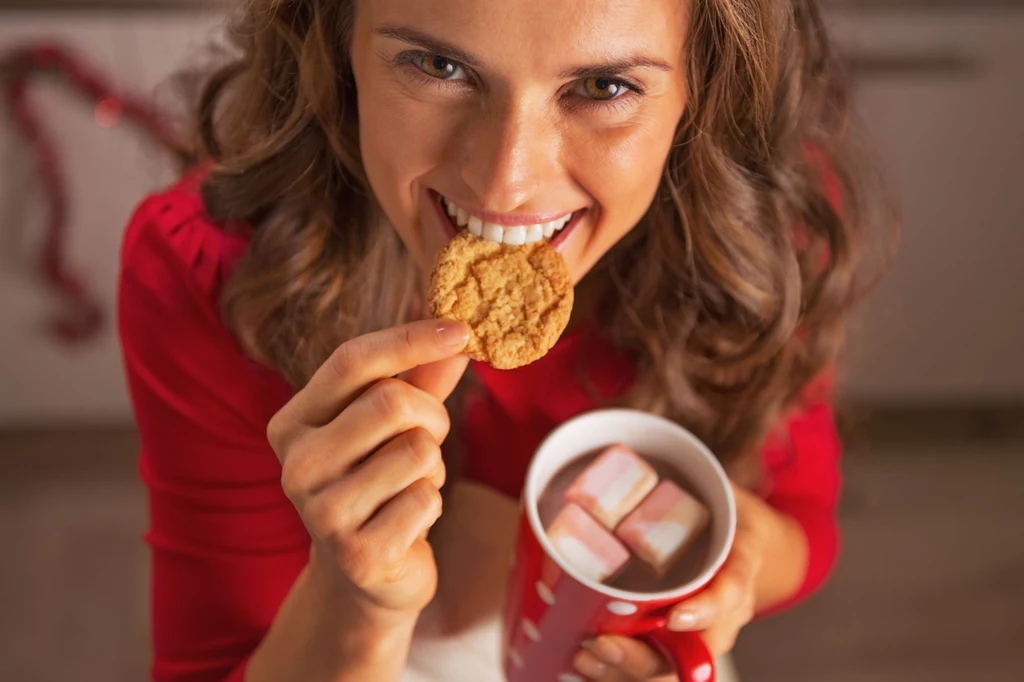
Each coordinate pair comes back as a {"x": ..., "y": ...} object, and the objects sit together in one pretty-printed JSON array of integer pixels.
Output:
[{"x": 226, "y": 543}]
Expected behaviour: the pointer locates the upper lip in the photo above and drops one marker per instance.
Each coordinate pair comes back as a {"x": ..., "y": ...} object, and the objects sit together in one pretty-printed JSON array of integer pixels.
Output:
[{"x": 510, "y": 218}]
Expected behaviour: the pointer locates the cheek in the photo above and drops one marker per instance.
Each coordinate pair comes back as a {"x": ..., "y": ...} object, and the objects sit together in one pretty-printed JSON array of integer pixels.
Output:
[
  {"x": 622, "y": 171},
  {"x": 389, "y": 155},
  {"x": 401, "y": 139}
]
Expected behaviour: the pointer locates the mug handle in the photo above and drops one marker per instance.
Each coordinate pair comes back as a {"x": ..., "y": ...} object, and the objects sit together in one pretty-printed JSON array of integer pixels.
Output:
[{"x": 686, "y": 650}]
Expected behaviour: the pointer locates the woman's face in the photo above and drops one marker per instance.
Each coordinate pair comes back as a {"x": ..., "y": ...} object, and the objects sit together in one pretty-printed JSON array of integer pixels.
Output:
[{"x": 526, "y": 119}]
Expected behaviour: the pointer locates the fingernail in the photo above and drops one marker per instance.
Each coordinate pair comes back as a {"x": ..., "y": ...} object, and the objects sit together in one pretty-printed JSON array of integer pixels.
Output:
[
  {"x": 590, "y": 666},
  {"x": 608, "y": 651},
  {"x": 682, "y": 620},
  {"x": 453, "y": 334}
]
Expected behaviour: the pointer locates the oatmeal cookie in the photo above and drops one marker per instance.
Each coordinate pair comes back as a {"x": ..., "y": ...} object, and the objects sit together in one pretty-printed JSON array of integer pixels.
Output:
[{"x": 516, "y": 299}]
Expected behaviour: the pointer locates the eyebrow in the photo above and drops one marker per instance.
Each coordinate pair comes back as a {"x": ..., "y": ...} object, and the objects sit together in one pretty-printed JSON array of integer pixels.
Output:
[
  {"x": 617, "y": 66},
  {"x": 414, "y": 37},
  {"x": 420, "y": 39}
]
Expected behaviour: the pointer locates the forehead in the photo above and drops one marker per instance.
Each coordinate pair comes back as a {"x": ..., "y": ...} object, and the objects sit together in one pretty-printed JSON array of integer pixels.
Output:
[{"x": 544, "y": 35}]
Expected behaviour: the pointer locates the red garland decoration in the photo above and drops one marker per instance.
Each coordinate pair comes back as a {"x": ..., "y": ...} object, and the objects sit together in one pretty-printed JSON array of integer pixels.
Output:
[{"x": 83, "y": 316}]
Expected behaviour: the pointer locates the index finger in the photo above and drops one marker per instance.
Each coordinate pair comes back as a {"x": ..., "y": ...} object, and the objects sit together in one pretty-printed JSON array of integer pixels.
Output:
[{"x": 369, "y": 358}]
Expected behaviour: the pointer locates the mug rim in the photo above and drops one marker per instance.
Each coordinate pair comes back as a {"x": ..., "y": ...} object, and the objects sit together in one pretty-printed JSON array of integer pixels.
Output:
[{"x": 530, "y": 496}]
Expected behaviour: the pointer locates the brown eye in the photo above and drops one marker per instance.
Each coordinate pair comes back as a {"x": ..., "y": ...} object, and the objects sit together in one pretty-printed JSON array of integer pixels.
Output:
[
  {"x": 603, "y": 88},
  {"x": 439, "y": 67}
]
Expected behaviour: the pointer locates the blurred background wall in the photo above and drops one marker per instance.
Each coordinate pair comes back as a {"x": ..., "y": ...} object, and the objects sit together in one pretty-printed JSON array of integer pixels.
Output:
[
  {"x": 935, "y": 374},
  {"x": 938, "y": 85},
  {"x": 107, "y": 171}
]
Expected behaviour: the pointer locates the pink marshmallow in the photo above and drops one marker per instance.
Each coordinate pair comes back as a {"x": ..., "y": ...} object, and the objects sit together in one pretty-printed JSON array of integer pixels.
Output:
[
  {"x": 585, "y": 545},
  {"x": 664, "y": 526},
  {"x": 613, "y": 485}
]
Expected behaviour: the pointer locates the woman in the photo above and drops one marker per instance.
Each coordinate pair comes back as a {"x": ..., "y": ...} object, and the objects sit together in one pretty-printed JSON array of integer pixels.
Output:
[{"x": 291, "y": 398}]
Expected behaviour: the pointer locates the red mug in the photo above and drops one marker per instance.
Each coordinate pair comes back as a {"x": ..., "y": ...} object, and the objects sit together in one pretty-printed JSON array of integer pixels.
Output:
[{"x": 551, "y": 609}]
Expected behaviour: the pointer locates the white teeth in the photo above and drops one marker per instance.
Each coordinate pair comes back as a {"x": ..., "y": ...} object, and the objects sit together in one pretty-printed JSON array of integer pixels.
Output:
[
  {"x": 493, "y": 232},
  {"x": 515, "y": 235},
  {"x": 555, "y": 225}
]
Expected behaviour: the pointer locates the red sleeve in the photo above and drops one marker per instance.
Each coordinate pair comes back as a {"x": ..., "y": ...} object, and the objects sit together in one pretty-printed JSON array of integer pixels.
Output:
[
  {"x": 803, "y": 481},
  {"x": 226, "y": 544}
]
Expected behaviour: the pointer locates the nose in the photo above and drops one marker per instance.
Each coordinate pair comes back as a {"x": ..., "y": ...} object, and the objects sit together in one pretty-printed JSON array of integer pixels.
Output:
[{"x": 510, "y": 152}]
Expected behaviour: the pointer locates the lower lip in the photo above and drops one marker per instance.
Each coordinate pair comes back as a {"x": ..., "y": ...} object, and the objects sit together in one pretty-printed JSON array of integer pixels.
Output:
[{"x": 556, "y": 242}]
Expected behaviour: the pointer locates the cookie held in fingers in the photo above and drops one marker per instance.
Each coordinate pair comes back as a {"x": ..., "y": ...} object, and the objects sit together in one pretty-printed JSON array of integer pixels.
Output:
[{"x": 516, "y": 299}]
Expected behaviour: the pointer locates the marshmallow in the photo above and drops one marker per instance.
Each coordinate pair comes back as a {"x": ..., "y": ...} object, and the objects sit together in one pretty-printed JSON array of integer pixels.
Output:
[
  {"x": 585, "y": 545},
  {"x": 664, "y": 526},
  {"x": 613, "y": 485}
]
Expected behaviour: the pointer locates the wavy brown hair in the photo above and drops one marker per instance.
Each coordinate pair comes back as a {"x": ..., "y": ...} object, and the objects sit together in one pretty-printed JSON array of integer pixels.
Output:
[{"x": 731, "y": 295}]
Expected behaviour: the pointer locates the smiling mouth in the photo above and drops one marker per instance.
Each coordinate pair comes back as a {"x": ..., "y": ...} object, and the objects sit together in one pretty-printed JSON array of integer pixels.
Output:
[{"x": 513, "y": 235}]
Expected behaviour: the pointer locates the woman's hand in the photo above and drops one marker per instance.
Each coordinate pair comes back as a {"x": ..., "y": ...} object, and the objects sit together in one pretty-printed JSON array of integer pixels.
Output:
[
  {"x": 360, "y": 453},
  {"x": 717, "y": 613}
]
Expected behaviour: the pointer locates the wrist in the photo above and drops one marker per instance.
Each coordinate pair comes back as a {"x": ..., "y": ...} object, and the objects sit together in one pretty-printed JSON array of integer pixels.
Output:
[
  {"x": 321, "y": 635},
  {"x": 373, "y": 643},
  {"x": 361, "y": 626},
  {"x": 366, "y": 642}
]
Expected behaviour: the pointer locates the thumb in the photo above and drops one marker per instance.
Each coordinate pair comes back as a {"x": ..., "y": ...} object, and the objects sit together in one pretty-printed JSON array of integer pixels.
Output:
[{"x": 438, "y": 378}]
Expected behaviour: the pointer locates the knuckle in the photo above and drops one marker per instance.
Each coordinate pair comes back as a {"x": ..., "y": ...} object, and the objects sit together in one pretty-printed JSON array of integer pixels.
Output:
[
  {"x": 345, "y": 359},
  {"x": 393, "y": 399},
  {"x": 408, "y": 338},
  {"x": 293, "y": 478},
  {"x": 324, "y": 520},
  {"x": 425, "y": 497},
  {"x": 376, "y": 561},
  {"x": 277, "y": 432},
  {"x": 652, "y": 663},
  {"x": 446, "y": 423},
  {"x": 423, "y": 451},
  {"x": 391, "y": 559},
  {"x": 297, "y": 466},
  {"x": 358, "y": 559},
  {"x": 747, "y": 556},
  {"x": 731, "y": 593},
  {"x": 641, "y": 661},
  {"x": 441, "y": 471},
  {"x": 748, "y": 610},
  {"x": 274, "y": 432}
]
